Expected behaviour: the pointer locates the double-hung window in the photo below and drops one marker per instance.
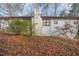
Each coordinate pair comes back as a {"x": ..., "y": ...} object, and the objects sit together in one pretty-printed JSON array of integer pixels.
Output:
[{"x": 46, "y": 22}]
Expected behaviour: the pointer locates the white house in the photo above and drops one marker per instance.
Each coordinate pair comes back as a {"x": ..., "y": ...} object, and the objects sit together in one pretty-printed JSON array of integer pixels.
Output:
[
  {"x": 50, "y": 25},
  {"x": 54, "y": 26}
]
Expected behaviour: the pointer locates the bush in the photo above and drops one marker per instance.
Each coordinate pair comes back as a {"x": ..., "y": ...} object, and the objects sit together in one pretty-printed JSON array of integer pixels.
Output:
[{"x": 19, "y": 26}]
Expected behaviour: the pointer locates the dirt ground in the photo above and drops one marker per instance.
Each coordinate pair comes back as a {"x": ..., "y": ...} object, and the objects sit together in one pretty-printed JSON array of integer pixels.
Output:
[{"x": 16, "y": 45}]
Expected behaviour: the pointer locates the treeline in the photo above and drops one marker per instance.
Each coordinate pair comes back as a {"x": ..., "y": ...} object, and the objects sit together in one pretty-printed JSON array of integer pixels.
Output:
[{"x": 47, "y": 9}]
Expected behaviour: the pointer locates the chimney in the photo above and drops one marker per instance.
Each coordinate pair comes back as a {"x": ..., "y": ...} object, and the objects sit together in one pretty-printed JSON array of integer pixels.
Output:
[
  {"x": 36, "y": 21},
  {"x": 37, "y": 12}
]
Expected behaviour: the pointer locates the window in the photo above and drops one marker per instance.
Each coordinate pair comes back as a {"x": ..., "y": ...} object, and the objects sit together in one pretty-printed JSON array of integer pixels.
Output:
[
  {"x": 75, "y": 22},
  {"x": 46, "y": 22},
  {"x": 55, "y": 21}
]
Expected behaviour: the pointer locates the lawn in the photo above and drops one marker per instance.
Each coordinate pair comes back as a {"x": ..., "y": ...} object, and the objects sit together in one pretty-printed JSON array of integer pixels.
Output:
[{"x": 16, "y": 45}]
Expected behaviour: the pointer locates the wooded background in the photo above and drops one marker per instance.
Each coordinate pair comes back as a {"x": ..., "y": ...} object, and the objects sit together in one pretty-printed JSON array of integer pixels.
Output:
[{"x": 47, "y": 9}]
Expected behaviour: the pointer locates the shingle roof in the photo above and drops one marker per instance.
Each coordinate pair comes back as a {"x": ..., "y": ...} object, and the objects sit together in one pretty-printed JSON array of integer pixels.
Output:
[{"x": 44, "y": 17}]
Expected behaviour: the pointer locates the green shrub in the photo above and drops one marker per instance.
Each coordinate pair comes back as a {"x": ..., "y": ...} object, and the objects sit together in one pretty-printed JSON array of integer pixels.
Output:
[{"x": 19, "y": 26}]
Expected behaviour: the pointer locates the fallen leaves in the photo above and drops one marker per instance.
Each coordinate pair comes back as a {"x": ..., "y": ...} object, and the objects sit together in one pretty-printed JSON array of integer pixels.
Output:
[{"x": 37, "y": 45}]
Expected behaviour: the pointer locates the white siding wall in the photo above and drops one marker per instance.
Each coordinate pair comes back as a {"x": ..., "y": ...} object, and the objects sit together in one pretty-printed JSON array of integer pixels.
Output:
[
  {"x": 51, "y": 30},
  {"x": 3, "y": 24}
]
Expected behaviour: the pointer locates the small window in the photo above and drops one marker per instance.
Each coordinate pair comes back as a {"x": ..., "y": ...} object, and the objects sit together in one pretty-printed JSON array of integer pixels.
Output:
[
  {"x": 75, "y": 22},
  {"x": 55, "y": 21},
  {"x": 46, "y": 22}
]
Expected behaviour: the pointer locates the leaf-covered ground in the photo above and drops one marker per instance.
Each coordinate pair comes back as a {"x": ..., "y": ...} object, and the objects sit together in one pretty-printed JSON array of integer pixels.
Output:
[{"x": 14, "y": 45}]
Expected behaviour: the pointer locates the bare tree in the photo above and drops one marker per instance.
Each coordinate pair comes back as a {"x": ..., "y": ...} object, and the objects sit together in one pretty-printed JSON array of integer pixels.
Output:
[
  {"x": 63, "y": 13},
  {"x": 75, "y": 10},
  {"x": 11, "y": 9},
  {"x": 56, "y": 7}
]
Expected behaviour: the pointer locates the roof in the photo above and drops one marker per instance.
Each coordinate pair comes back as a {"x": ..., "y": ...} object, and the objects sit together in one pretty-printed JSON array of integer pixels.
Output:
[
  {"x": 11, "y": 17},
  {"x": 57, "y": 17},
  {"x": 44, "y": 17}
]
